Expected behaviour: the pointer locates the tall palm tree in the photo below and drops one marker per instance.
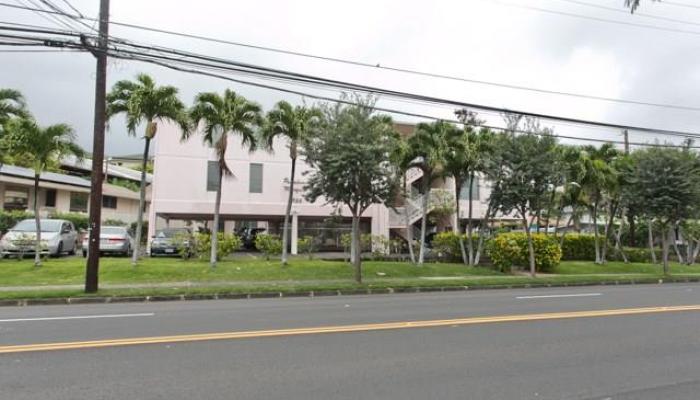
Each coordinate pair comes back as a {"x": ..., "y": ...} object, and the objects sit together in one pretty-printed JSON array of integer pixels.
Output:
[
  {"x": 42, "y": 147},
  {"x": 11, "y": 105},
  {"x": 295, "y": 124},
  {"x": 142, "y": 102},
  {"x": 428, "y": 146},
  {"x": 402, "y": 160},
  {"x": 220, "y": 116},
  {"x": 598, "y": 178}
]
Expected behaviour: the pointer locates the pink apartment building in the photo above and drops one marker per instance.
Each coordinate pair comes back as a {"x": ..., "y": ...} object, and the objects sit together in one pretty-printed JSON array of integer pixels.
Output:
[{"x": 184, "y": 189}]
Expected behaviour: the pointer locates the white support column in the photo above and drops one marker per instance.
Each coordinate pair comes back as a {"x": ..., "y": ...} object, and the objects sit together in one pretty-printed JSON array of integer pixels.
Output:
[{"x": 295, "y": 232}]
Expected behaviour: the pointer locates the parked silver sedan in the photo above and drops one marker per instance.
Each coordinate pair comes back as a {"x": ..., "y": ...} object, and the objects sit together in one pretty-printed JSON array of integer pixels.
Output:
[
  {"x": 113, "y": 240},
  {"x": 57, "y": 237}
]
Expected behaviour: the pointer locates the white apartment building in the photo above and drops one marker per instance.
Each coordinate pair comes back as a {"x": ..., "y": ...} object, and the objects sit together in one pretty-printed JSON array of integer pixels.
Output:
[{"x": 184, "y": 190}]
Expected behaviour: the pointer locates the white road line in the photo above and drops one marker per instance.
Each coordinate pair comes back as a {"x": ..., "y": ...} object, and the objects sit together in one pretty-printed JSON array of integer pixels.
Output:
[
  {"x": 553, "y": 296},
  {"x": 78, "y": 317}
]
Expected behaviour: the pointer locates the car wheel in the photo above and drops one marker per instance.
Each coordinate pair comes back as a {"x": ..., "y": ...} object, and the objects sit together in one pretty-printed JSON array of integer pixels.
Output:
[
  {"x": 84, "y": 254},
  {"x": 74, "y": 249},
  {"x": 59, "y": 250}
]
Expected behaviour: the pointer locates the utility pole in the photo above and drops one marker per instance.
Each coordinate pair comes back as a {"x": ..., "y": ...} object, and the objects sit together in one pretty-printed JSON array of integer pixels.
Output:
[{"x": 98, "y": 149}]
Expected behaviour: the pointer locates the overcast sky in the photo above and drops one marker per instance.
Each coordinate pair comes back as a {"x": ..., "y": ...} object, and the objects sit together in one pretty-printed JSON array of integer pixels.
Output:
[{"x": 489, "y": 40}]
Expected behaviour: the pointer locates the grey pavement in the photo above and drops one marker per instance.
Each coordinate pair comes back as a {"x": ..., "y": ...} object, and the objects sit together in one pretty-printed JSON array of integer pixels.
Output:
[{"x": 652, "y": 356}]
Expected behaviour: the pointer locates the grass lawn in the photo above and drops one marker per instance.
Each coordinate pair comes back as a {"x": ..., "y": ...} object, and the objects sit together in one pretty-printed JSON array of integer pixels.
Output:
[{"x": 246, "y": 275}]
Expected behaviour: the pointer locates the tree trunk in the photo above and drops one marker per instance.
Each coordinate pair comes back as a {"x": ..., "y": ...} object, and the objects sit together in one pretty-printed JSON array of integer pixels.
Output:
[
  {"x": 618, "y": 235},
  {"x": 563, "y": 234},
  {"x": 357, "y": 261},
  {"x": 652, "y": 251},
  {"x": 142, "y": 202},
  {"x": 665, "y": 237},
  {"x": 287, "y": 213},
  {"x": 633, "y": 229},
  {"x": 696, "y": 250},
  {"x": 215, "y": 228},
  {"x": 550, "y": 206},
  {"x": 530, "y": 247},
  {"x": 353, "y": 248},
  {"x": 608, "y": 229},
  {"x": 470, "y": 215},
  {"x": 37, "y": 219},
  {"x": 465, "y": 260},
  {"x": 482, "y": 229},
  {"x": 409, "y": 234},
  {"x": 689, "y": 251},
  {"x": 594, "y": 216},
  {"x": 556, "y": 224},
  {"x": 675, "y": 245},
  {"x": 424, "y": 220}
]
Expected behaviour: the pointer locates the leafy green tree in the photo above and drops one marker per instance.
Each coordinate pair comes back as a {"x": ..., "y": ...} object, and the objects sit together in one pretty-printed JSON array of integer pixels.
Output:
[
  {"x": 43, "y": 146},
  {"x": 667, "y": 182},
  {"x": 428, "y": 147},
  {"x": 221, "y": 116},
  {"x": 351, "y": 157},
  {"x": 142, "y": 102},
  {"x": 526, "y": 175},
  {"x": 295, "y": 124}
]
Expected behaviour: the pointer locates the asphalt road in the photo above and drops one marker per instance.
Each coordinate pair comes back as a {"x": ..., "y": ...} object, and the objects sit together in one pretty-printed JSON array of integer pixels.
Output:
[{"x": 649, "y": 355}]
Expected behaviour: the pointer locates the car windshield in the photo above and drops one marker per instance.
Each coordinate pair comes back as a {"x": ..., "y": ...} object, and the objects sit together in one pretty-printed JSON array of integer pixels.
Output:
[
  {"x": 170, "y": 233},
  {"x": 109, "y": 230},
  {"x": 29, "y": 225}
]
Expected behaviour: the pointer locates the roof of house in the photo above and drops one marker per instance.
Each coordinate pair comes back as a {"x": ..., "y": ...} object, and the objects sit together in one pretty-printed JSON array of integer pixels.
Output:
[
  {"x": 20, "y": 172},
  {"x": 19, "y": 175},
  {"x": 112, "y": 170}
]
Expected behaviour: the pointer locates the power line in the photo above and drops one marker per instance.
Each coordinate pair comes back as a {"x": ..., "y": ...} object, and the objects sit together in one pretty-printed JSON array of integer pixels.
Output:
[
  {"x": 598, "y": 19},
  {"x": 157, "y": 59},
  {"x": 73, "y": 8},
  {"x": 636, "y": 14},
  {"x": 677, "y": 4},
  {"x": 73, "y": 18},
  {"x": 394, "y": 69}
]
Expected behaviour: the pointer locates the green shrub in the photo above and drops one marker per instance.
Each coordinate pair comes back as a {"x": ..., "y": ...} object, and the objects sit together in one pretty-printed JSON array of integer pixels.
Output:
[
  {"x": 578, "y": 247},
  {"x": 307, "y": 245},
  {"x": 114, "y": 222},
  {"x": 8, "y": 219},
  {"x": 510, "y": 249},
  {"x": 228, "y": 243},
  {"x": 80, "y": 220},
  {"x": 446, "y": 244},
  {"x": 269, "y": 245}
]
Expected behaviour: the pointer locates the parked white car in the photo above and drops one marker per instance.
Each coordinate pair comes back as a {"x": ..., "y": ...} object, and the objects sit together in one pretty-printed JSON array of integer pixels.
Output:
[
  {"x": 57, "y": 237},
  {"x": 113, "y": 240}
]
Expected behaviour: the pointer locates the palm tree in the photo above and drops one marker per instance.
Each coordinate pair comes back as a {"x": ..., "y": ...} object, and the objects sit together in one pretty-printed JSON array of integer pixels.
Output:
[
  {"x": 599, "y": 177},
  {"x": 220, "y": 116},
  {"x": 402, "y": 160},
  {"x": 295, "y": 124},
  {"x": 428, "y": 147},
  {"x": 11, "y": 105},
  {"x": 42, "y": 147},
  {"x": 141, "y": 101},
  {"x": 633, "y": 4}
]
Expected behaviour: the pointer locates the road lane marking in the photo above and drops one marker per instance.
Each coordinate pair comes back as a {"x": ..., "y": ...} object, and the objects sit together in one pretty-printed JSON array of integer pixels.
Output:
[
  {"x": 78, "y": 317},
  {"x": 339, "y": 329},
  {"x": 555, "y": 296}
]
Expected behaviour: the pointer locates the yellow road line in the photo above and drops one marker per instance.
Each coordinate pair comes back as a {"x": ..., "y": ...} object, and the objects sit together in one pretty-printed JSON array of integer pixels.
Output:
[{"x": 339, "y": 329}]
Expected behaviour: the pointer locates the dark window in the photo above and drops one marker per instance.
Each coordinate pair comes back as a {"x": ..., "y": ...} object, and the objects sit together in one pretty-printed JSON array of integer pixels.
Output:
[
  {"x": 109, "y": 202},
  {"x": 78, "y": 202},
  {"x": 16, "y": 198},
  {"x": 464, "y": 193},
  {"x": 212, "y": 176},
  {"x": 50, "y": 198},
  {"x": 256, "y": 178}
]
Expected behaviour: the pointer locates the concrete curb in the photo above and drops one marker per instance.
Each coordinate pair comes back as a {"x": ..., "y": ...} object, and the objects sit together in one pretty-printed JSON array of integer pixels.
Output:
[{"x": 323, "y": 293}]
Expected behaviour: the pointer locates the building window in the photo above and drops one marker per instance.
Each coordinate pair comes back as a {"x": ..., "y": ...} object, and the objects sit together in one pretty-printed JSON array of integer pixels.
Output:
[
  {"x": 50, "y": 200},
  {"x": 212, "y": 176},
  {"x": 16, "y": 198},
  {"x": 256, "y": 178},
  {"x": 464, "y": 193},
  {"x": 109, "y": 202},
  {"x": 78, "y": 202}
]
